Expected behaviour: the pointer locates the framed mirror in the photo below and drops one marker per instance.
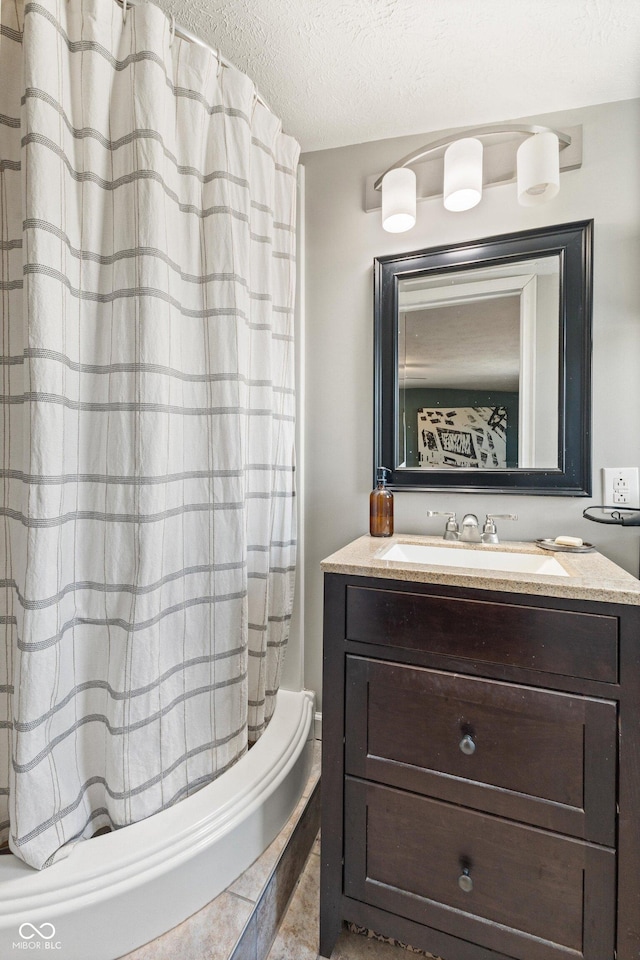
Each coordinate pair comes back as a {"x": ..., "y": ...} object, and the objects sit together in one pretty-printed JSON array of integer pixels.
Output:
[{"x": 483, "y": 364}]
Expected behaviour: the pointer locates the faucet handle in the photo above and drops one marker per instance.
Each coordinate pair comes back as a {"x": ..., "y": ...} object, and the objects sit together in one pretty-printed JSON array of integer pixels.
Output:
[
  {"x": 489, "y": 532},
  {"x": 451, "y": 528}
]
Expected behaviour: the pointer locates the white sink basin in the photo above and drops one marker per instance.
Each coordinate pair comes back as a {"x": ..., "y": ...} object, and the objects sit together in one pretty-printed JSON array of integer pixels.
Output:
[{"x": 479, "y": 559}]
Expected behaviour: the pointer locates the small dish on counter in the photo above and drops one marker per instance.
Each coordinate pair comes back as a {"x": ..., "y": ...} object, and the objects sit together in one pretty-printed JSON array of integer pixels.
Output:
[{"x": 564, "y": 548}]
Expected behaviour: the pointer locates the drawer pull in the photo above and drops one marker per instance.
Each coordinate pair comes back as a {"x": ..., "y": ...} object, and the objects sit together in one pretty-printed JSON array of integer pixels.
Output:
[
  {"x": 464, "y": 881},
  {"x": 467, "y": 745}
]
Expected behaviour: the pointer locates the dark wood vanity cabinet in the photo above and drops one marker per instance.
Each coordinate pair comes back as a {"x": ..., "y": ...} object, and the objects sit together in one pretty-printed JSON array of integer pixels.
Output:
[{"x": 481, "y": 771}]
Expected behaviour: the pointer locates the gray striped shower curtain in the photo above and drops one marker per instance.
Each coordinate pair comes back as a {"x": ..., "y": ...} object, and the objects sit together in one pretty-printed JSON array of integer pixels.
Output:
[{"x": 147, "y": 534}]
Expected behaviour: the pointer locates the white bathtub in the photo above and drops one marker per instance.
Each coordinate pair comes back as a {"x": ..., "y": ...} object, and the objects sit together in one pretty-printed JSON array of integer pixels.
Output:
[{"x": 120, "y": 890}]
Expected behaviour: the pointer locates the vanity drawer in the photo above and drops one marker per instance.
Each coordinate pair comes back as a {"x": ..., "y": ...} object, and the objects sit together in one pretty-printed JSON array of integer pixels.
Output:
[
  {"x": 539, "y": 756},
  {"x": 551, "y": 641},
  {"x": 534, "y": 895}
]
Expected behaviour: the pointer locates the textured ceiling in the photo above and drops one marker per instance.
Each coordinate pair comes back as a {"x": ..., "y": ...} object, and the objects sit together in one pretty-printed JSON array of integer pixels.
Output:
[
  {"x": 347, "y": 71},
  {"x": 490, "y": 332}
]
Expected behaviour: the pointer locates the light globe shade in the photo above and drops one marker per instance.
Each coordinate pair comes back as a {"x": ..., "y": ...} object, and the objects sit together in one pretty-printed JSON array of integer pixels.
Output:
[
  {"x": 538, "y": 162},
  {"x": 463, "y": 174},
  {"x": 399, "y": 200}
]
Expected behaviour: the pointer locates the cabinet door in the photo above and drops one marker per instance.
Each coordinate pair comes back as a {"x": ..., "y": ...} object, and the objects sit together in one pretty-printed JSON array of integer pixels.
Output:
[
  {"x": 538, "y": 756},
  {"x": 523, "y": 892}
]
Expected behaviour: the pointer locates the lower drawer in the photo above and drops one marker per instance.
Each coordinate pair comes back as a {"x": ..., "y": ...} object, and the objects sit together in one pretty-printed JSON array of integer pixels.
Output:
[{"x": 527, "y": 893}]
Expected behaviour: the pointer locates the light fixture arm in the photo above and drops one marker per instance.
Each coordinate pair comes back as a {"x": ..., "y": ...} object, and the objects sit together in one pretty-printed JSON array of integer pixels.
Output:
[{"x": 487, "y": 131}]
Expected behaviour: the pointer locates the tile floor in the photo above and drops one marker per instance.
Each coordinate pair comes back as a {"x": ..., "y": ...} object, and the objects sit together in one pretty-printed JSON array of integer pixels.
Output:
[
  {"x": 213, "y": 932},
  {"x": 297, "y": 937}
]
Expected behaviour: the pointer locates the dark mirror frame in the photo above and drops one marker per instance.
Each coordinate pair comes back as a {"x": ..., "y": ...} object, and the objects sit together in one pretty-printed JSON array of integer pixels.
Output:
[{"x": 573, "y": 243}]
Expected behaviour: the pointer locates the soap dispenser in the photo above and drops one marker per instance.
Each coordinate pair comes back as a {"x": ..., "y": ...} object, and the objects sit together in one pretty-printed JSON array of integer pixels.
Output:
[{"x": 381, "y": 506}]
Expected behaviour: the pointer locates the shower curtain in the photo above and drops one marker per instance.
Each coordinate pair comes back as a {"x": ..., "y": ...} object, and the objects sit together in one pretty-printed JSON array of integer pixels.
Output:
[{"x": 147, "y": 214}]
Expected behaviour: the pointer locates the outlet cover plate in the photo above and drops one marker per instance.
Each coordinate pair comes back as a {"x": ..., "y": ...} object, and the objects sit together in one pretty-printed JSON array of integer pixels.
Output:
[{"x": 620, "y": 488}]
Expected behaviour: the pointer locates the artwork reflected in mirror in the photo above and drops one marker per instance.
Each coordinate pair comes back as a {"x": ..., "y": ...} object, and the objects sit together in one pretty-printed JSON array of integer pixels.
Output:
[
  {"x": 483, "y": 364},
  {"x": 462, "y": 437}
]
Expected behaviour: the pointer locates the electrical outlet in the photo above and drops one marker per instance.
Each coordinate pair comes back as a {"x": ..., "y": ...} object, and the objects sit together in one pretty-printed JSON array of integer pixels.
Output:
[{"x": 620, "y": 487}]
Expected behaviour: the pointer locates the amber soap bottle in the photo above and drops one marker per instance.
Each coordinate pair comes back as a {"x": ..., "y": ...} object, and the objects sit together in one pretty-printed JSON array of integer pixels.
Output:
[{"x": 381, "y": 506}]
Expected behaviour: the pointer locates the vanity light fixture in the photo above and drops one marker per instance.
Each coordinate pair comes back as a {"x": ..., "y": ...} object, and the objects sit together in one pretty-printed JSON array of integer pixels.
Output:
[
  {"x": 537, "y": 165},
  {"x": 399, "y": 200},
  {"x": 463, "y": 174}
]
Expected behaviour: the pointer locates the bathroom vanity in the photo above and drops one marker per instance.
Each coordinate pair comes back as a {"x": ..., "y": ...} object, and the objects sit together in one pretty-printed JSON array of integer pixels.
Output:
[{"x": 481, "y": 754}]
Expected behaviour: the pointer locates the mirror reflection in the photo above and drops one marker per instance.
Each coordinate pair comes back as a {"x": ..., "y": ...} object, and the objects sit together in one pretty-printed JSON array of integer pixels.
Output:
[
  {"x": 482, "y": 376},
  {"x": 477, "y": 367}
]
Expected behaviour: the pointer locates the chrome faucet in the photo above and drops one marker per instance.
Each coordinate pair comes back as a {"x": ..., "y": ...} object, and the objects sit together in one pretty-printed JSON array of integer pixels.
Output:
[
  {"x": 470, "y": 531},
  {"x": 451, "y": 526},
  {"x": 489, "y": 532}
]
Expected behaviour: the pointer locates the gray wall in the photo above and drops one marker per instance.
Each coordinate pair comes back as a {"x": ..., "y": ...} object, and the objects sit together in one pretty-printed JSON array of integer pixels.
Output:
[{"x": 342, "y": 241}]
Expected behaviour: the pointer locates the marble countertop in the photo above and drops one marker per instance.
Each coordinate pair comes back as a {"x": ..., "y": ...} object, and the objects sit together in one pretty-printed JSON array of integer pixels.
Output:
[{"x": 591, "y": 576}]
